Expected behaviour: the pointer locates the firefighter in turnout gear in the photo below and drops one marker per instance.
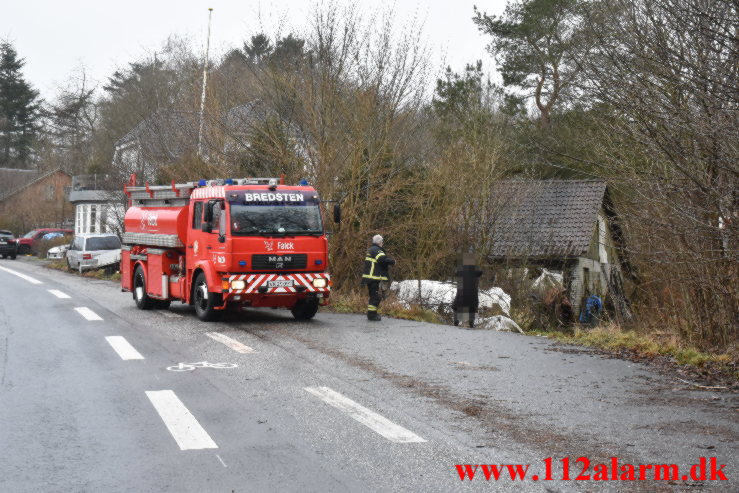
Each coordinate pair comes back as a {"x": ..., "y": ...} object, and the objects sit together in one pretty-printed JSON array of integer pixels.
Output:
[{"x": 375, "y": 271}]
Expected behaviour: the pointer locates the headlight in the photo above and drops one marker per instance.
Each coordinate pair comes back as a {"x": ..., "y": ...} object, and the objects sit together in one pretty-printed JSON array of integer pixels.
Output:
[
  {"x": 319, "y": 283},
  {"x": 238, "y": 285}
]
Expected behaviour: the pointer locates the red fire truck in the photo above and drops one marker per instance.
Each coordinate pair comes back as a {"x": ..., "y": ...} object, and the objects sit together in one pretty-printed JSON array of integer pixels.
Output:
[{"x": 212, "y": 244}]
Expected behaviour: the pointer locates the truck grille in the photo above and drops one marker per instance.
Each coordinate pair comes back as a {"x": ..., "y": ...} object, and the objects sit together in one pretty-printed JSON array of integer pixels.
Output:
[{"x": 289, "y": 261}]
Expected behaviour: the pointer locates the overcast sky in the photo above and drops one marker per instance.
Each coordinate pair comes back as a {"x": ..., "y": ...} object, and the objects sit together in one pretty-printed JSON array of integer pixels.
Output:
[{"x": 58, "y": 37}]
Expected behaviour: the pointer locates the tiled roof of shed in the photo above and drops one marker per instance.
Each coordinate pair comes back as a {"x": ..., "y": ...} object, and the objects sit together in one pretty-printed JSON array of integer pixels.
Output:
[{"x": 545, "y": 218}]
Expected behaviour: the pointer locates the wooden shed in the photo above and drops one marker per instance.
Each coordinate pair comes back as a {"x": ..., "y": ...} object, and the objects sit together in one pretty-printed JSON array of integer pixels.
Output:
[{"x": 567, "y": 226}]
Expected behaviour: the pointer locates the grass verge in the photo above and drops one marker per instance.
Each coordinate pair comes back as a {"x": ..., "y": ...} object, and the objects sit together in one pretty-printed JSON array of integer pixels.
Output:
[
  {"x": 92, "y": 274},
  {"x": 628, "y": 343}
]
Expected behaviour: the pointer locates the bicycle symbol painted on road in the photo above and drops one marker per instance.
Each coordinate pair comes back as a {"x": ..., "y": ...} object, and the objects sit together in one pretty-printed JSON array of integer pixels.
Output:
[{"x": 200, "y": 364}]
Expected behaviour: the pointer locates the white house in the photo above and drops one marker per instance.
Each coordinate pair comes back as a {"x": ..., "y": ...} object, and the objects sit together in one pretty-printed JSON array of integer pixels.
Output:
[{"x": 97, "y": 211}]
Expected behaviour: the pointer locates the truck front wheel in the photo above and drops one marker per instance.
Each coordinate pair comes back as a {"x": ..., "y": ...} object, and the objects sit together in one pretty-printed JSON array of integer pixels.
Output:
[
  {"x": 205, "y": 302},
  {"x": 143, "y": 302},
  {"x": 305, "y": 309}
]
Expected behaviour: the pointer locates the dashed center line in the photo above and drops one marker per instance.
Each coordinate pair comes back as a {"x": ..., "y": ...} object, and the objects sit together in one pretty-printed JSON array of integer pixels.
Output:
[
  {"x": 372, "y": 420},
  {"x": 21, "y": 275},
  {"x": 59, "y": 294},
  {"x": 232, "y": 343},
  {"x": 87, "y": 313},
  {"x": 183, "y": 426},
  {"x": 124, "y": 349}
]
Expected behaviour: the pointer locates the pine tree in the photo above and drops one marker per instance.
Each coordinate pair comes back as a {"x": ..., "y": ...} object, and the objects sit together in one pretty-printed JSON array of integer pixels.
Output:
[
  {"x": 259, "y": 47},
  {"x": 536, "y": 44},
  {"x": 19, "y": 111}
]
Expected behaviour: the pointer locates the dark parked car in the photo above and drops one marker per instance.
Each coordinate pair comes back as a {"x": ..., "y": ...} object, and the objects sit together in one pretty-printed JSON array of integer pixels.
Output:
[
  {"x": 8, "y": 244},
  {"x": 29, "y": 242}
]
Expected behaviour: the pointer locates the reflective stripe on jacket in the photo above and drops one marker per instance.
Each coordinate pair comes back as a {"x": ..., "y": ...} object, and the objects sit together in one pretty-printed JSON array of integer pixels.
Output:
[{"x": 375, "y": 265}]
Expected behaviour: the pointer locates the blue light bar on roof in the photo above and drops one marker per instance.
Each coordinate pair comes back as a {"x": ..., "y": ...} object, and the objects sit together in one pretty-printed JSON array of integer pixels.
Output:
[{"x": 202, "y": 183}]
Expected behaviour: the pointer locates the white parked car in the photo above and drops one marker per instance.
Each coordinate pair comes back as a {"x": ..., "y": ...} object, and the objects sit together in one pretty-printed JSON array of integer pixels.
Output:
[
  {"x": 57, "y": 252},
  {"x": 93, "y": 251}
]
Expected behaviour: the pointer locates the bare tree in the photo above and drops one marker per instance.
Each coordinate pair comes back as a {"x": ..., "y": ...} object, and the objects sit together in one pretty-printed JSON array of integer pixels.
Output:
[{"x": 665, "y": 73}]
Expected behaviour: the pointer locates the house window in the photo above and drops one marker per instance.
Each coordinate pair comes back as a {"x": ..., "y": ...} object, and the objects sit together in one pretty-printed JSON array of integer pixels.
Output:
[
  {"x": 50, "y": 192},
  {"x": 93, "y": 219},
  {"x": 78, "y": 221},
  {"x": 85, "y": 218},
  {"x": 104, "y": 226}
]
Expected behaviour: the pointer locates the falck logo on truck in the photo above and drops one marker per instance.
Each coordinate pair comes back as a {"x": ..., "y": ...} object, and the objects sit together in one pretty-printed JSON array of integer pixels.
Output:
[{"x": 149, "y": 219}]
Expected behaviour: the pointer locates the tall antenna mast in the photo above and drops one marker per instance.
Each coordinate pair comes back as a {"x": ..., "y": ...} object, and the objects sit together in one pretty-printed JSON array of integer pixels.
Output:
[{"x": 205, "y": 81}]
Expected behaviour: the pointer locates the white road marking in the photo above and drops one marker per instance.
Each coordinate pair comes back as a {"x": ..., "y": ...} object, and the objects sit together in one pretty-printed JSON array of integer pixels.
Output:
[
  {"x": 59, "y": 294},
  {"x": 124, "y": 349},
  {"x": 219, "y": 458},
  {"x": 375, "y": 422},
  {"x": 87, "y": 313},
  {"x": 232, "y": 343},
  {"x": 21, "y": 275},
  {"x": 183, "y": 426}
]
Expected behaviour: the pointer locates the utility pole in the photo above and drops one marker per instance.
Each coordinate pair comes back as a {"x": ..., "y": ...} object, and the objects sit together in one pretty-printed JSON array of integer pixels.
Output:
[{"x": 205, "y": 81}]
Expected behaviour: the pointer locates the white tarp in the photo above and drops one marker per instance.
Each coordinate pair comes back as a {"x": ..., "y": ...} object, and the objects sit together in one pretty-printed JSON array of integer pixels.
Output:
[
  {"x": 547, "y": 280},
  {"x": 498, "y": 322},
  {"x": 437, "y": 294}
]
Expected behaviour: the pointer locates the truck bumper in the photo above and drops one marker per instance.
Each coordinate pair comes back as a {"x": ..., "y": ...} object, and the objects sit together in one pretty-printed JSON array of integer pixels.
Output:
[{"x": 276, "y": 289}]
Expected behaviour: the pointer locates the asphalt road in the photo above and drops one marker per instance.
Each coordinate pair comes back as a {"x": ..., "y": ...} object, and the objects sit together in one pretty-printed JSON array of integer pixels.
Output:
[{"x": 97, "y": 396}]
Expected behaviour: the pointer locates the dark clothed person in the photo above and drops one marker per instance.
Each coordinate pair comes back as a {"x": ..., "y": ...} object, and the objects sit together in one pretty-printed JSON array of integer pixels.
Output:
[
  {"x": 466, "y": 300},
  {"x": 376, "y": 264}
]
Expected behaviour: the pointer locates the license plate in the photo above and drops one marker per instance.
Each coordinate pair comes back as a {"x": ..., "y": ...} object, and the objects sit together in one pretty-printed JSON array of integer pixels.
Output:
[
  {"x": 3, "y": 242},
  {"x": 279, "y": 284}
]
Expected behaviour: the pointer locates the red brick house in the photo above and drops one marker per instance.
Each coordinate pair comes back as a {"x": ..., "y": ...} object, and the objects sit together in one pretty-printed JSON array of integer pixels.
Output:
[{"x": 29, "y": 200}]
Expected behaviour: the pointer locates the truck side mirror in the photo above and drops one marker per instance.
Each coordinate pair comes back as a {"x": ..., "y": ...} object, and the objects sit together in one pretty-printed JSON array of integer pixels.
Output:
[{"x": 337, "y": 213}]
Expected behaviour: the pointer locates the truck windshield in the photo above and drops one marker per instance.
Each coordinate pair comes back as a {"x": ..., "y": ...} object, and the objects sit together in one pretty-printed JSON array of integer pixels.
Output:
[{"x": 275, "y": 219}]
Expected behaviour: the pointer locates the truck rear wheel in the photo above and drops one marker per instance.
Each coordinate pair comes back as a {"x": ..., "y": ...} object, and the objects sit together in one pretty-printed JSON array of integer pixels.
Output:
[
  {"x": 305, "y": 309},
  {"x": 205, "y": 302},
  {"x": 143, "y": 302}
]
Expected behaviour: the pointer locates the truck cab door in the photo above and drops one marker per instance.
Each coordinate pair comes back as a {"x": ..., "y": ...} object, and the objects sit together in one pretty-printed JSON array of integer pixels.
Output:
[
  {"x": 214, "y": 248},
  {"x": 194, "y": 238}
]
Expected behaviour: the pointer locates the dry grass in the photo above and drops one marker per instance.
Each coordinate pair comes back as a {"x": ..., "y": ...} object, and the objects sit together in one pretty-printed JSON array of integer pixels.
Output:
[
  {"x": 614, "y": 338},
  {"x": 93, "y": 274},
  {"x": 348, "y": 301}
]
